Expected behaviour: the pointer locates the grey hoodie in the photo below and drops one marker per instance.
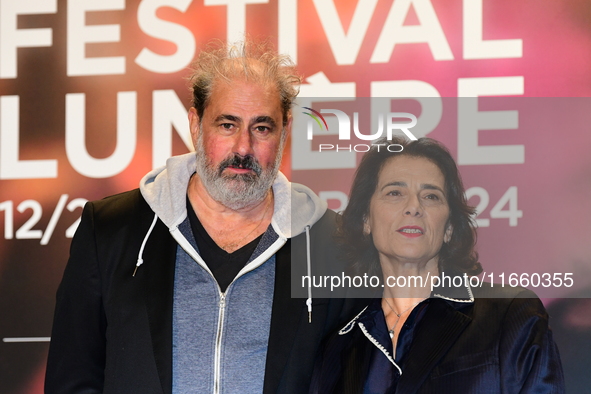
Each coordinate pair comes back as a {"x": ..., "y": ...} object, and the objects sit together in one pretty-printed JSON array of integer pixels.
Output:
[{"x": 220, "y": 339}]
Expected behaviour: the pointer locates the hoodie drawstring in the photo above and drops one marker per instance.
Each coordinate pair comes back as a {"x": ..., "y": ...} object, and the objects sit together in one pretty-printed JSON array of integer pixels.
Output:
[
  {"x": 140, "y": 260},
  {"x": 309, "y": 267}
]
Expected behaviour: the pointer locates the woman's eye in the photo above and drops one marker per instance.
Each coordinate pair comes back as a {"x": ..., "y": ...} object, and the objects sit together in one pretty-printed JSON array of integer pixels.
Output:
[
  {"x": 393, "y": 193},
  {"x": 432, "y": 197}
]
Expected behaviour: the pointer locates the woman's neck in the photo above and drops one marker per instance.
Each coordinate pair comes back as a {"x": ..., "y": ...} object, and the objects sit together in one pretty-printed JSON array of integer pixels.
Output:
[{"x": 408, "y": 281}]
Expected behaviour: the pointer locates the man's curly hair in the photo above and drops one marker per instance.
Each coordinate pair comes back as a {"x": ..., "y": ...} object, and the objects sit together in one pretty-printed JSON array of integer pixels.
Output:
[{"x": 249, "y": 60}]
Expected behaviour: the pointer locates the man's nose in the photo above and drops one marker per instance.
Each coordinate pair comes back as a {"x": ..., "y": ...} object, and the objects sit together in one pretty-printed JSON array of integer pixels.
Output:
[{"x": 243, "y": 143}]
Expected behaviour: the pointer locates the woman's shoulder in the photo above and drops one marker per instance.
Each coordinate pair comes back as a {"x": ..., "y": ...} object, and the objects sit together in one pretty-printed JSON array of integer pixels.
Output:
[
  {"x": 509, "y": 303},
  {"x": 495, "y": 291}
]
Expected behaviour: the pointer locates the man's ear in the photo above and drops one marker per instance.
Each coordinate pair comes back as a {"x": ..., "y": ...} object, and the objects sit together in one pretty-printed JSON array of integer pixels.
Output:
[
  {"x": 285, "y": 131},
  {"x": 448, "y": 233},
  {"x": 289, "y": 122},
  {"x": 194, "y": 125}
]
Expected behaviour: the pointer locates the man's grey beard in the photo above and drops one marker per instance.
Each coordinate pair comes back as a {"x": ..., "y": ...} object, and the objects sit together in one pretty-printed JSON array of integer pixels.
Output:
[{"x": 236, "y": 191}]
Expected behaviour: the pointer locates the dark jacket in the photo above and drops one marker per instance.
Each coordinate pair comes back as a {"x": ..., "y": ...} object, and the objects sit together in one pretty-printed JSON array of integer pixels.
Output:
[
  {"x": 474, "y": 344},
  {"x": 112, "y": 331}
]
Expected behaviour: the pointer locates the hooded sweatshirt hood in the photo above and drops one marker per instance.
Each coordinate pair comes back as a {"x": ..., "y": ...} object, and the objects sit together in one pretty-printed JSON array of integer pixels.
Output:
[{"x": 165, "y": 190}]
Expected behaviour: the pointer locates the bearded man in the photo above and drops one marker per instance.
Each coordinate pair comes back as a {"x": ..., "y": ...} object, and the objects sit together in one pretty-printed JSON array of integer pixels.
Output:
[{"x": 183, "y": 285}]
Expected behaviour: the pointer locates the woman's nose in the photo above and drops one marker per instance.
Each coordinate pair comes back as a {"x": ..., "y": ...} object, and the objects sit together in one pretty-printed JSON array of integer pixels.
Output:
[{"x": 414, "y": 208}]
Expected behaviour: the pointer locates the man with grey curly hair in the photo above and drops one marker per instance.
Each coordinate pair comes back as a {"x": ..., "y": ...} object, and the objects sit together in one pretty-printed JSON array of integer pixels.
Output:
[{"x": 183, "y": 285}]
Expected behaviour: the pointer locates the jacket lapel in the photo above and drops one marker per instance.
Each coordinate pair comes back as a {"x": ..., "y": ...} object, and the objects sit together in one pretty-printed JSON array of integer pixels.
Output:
[
  {"x": 285, "y": 319},
  {"x": 438, "y": 331},
  {"x": 158, "y": 274}
]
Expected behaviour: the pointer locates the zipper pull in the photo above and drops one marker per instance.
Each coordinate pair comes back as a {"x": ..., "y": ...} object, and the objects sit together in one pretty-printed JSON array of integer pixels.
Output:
[{"x": 222, "y": 301}]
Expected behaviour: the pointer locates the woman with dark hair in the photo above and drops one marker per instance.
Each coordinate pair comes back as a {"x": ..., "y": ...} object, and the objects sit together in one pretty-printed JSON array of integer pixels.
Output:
[{"x": 408, "y": 222}]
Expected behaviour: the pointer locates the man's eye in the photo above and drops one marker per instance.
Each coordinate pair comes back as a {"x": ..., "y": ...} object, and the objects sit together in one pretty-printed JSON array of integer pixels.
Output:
[
  {"x": 393, "y": 193},
  {"x": 432, "y": 197},
  {"x": 227, "y": 126},
  {"x": 262, "y": 129}
]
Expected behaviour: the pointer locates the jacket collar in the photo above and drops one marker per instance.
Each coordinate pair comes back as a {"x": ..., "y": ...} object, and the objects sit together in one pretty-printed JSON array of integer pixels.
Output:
[
  {"x": 456, "y": 297},
  {"x": 454, "y": 287}
]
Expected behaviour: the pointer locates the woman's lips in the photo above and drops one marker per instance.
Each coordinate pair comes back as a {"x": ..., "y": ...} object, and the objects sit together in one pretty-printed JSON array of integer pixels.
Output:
[{"x": 411, "y": 231}]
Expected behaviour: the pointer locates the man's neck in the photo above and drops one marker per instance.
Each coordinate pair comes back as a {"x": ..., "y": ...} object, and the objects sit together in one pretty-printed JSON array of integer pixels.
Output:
[{"x": 230, "y": 229}]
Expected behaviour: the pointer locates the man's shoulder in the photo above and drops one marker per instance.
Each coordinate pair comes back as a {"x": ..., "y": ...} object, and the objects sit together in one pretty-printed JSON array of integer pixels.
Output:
[
  {"x": 120, "y": 202},
  {"x": 119, "y": 207},
  {"x": 129, "y": 196}
]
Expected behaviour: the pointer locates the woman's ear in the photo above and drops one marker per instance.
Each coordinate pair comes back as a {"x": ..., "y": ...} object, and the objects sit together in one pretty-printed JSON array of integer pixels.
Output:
[
  {"x": 366, "y": 227},
  {"x": 448, "y": 233}
]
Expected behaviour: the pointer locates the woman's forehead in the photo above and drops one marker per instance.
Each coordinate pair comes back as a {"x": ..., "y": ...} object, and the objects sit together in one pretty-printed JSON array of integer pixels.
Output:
[{"x": 405, "y": 169}]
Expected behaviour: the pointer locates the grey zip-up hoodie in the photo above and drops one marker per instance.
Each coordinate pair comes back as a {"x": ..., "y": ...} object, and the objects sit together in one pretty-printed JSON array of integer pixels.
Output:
[{"x": 220, "y": 339}]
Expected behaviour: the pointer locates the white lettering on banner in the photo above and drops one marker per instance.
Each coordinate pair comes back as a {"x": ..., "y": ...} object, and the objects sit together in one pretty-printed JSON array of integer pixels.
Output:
[
  {"x": 236, "y": 21},
  {"x": 428, "y": 31},
  {"x": 179, "y": 35},
  {"x": 79, "y": 34},
  {"x": 12, "y": 38},
  {"x": 423, "y": 92},
  {"x": 319, "y": 89},
  {"x": 76, "y": 150},
  {"x": 474, "y": 46},
  {"x": 470, "y": 121},
  {"x": 11, "y": 167},
  {"x": 27, "y": 231},
  {"x": 337, "y": 195},
  {"x": 509, "y": 199},
  {"x": 168, "y": 112},
  {"x": 288, "y": 28},
  {"x": 345, "y": 46}
]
